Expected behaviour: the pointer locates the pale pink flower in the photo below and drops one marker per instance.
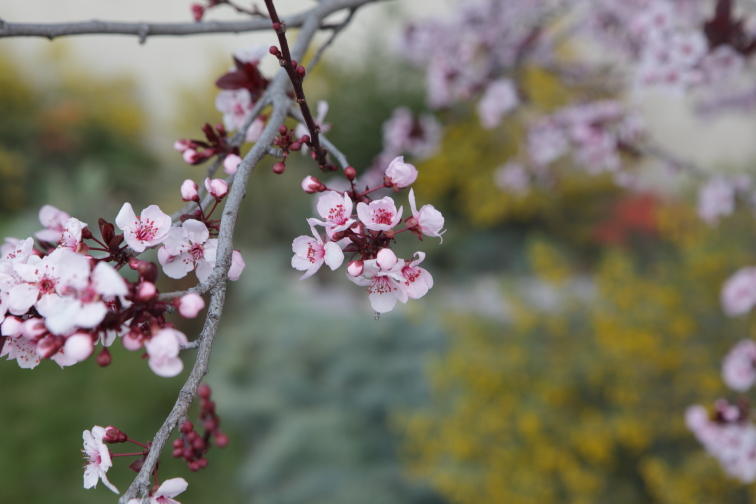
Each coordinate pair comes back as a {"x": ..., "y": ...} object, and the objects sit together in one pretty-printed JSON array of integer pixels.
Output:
[
  {"x": 385, "y": 286},
  {"x": 98, "y": 459},
  {"x": 739, "y": 292},
  {"x": 55, "y": 222},
  {"x": 311, "y": 253},
  {"x": 255, "y": 130},
  {"x": 716, "y": 198},
  {"x": 429, "y": 220},
  {"x": 738, "y": 371},
  {"x": 336, "y": 209},
  {"x": 71, "y": 237},
  {"x": 379, "y": 215},
  {"x": 165, "y": 492},
  {"x": 189, "y": 247},
  {"x": 150, "y": 229},
  {"x": 231, "y": 163},
  {"x": 252, "y": 54},
  {"x": 404, "y": 132},
  {"x": 17, "y": 250},
  {"x": 191, "y": 156},
  {"x": 235, "y": 105},
  {"x": 355, "y": 268},
  {"x": 401, "y": 174},
  {"x": 237, "y": 266},
  {"x": 417, "y": 281},
  {"x": 182, "y": 144},
  {"x": 216, "y": 187},
  {"x": 547, "y": 142},
  {"x": 78, "y": 346},
  {"x": 722, "y": 63},
  {"x": 163, "y": 349},
  {"x": 190, "y": 305},
  {"x": 189, "y": 190},
  {"x": 499, "y": 99},
  {"x": 22, "y": 350},
  {"x": 513, "y": 177}
]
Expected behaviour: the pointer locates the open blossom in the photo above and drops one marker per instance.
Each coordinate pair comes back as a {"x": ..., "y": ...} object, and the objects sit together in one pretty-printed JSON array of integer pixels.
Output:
[
  {"x": 231, "y": 163},
  {"x": 716, "y": 198},
  {"x": 429, "y": 220},
  {"x": 311, "y": 253},
  {"x": 165, "y": 492},
  {"x": 401, "y": 174},
  {"x": 235, "y": 105},
  {"x": 738, "y": 371},
  {"x": 98, "y": 458},
  {"x": 499, "y": 99},
  {"x": 403, "y": 132},
  {"x": 148, "y": 230},
  {"x": 336, "y": 210},
  {"x": 379, "y": 215},
  {"x": 188, "y": 247},
  {"x": 71, "y": 237},
  {"x": 384, "y": 285},
  {"x": 163, "y": 350},
  {"x": 417, "y": 281},
  {"x": 739, "y": 292},
  {"x": 54, "y": 221}
]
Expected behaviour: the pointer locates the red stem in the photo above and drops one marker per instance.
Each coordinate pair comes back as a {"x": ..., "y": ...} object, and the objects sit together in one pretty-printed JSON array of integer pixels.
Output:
[
  {"x": 137, "y": 443},
  {"x": 138, "y": 454}
]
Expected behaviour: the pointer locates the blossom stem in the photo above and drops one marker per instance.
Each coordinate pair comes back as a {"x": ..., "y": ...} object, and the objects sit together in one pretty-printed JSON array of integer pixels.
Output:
[
  {"x": 138, "y": 443},
  {"x": 363, "y": 193},
  {"x": 135, "y": 454}
]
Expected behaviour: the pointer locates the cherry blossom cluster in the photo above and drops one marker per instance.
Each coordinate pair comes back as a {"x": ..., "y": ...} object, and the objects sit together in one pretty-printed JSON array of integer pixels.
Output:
[
  {"x": 217, "y": 144},
  {"x": 190, "y": 445},
  {"x": 99, "y": 459},
  {"x": 58, "y": 300},
  {"x": 717, "y": 196},
  {"x": 365, "y": 228},
  {"x": 729, "y": 434}
]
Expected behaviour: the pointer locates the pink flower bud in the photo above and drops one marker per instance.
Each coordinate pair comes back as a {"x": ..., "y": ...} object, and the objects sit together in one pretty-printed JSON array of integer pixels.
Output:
[
  {"x": 132, "y": 341},
  {"x": 49, "y": 346},
  {"x": 197, "y": 12},
  {"x": 33, "y": 328},
  {"x": 146, "y": 291},
  {"x": 279, "y": 168},
  {"x": 356, "y": 268},
  {"x": 78, "y": 346},
  {"x": 182, "y": 144},
  {"x": 190, "y": 305},
  {"x": 401, "y": 174},
  {"x": 216, "y": 187},
  {"x": 191, "y": 156},
  {"x": 11, "y": 326},
  {"x": 386, "y": 259},
  {"x": 237, "y": 266},
  {"x": 189, "y": 190},
  {"x": 310, "y": 184},
  {"x": 350, "y": 173},
  {"x": 231, "y": 163}
]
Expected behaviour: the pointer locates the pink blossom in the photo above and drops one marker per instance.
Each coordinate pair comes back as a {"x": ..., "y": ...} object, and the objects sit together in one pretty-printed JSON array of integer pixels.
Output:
[
  {"x": 355, "y": 268},
  {"x": 547, "y": 142},
  {"x": 22, "y": 350},
  {"x": 417, "y": 281},
  {"x": 722, "y": 63},
  {"x": 739, "y": 292},
  {"x": 403, "y": 132},
  {"x": 17, "y": 251},
  {"x": 163, "y": 349},
  {"x": 738, "y": 371},
  {"x": 716, "y": 198},
  {"x": 336, "y": 209},
  {"x": 165, "y": 492},
  {"x": 231, "y": 163},
  {"x": 385, "y": 259},
  {"x": 385, "y": 286},
  {"x": 71, "y": 237},
  {"x": 191, "y": 156},
  {"x": 216, "y": 187},
  {"x": 499, "y": 99},
  {"x": 513, "y": 177},
  {"x": 401, "y": 174},
  {"x": 311, "y": 185},
  {"x": 98, "y": 459},
  {"x": 235, "y": 105},
  {"x": 379, "y": 215},
  {"x": 237, "y": 266},
  {"x": 55, "y": 222},
  {"x": 78, "y": 346},
  {"x": 429, "y": 220},
  {"x": 311, "y": 253},
  {"x": 188, "y": 247},
  {"x": 150, "y": 229},
  {"x": 182, "y": 144},
  {"x": 190, "y": 305},
  {"x": 189, "y": 190}
]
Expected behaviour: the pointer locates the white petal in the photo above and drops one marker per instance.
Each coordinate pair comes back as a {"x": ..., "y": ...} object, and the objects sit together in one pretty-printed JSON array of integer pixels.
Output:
[
  {"x": 172, "y": 487},
  {"x": 333, "y": 255}
]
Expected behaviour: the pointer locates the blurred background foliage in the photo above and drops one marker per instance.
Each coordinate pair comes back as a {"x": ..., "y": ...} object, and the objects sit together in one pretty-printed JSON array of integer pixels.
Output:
[{"x": 552, "y": 362}]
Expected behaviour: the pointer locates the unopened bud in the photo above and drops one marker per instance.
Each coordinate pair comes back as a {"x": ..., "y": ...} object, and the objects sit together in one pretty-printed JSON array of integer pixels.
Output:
[
  {"x": 104, "y": 358},
  {"x": 279, "y": 168},
  {"x": 146, "y": 291},
  {"x": 111, "y": 435},
  {"x": 301, "y": 71},
  {"x": 221, "y": 440},
  {"x": 386, "y": 259},
  {"x": 204, "y": 391},
  {"x": 350, "y": 173},
  {"x": 355, "y": 268},
  {"x": 132, "y": 340},
  {"x": 276, "y": 26},
  {"x": 295, "y": 146},
  {"x": 178, "y": 452},
  {"x": 294, "y": 64},
  {"x": 273, "y": 50},
  {"x": 178, "y": 443},
  {"x": 49, "y": 346},
  {"x": 304, "y": 139},
  {"x": 202, "y": 463},
  {"x": 310, "y": 184},
  {"x": 231, "y": 163},
  {"x": 187, "y": 427},
  {"x": 283, "y": 129},
  {"x": 197, "y": 12},
  {"x": 194, "y": 466},
  {"x": 79, "y": 346},
  {"x": 411, "y": 222},
  {"x": 189, "y": 305},
  {"x": 218, "y": 188}
]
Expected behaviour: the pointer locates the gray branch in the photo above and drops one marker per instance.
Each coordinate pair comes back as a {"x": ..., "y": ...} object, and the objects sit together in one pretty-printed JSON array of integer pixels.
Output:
[{"x": 217, "y": 281}]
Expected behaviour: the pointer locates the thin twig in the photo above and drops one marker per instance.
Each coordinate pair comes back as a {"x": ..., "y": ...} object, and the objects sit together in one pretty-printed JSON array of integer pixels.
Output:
[
  {"x": 340, "y": 157},
  {"x": 334, "y": 33}
]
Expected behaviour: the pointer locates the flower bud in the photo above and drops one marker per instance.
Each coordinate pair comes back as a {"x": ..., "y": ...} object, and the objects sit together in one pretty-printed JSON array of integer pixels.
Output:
[
  {"x": 296, "y": 146},
  {"x": 279, "y": 168},
  {"x": 197, "y": 12},
  {"x": 294, "y": 64},
  {"x": 386, "y": 259},
  {"x": 11, "y": 326},
  {"x": 49, "y": 346},
  {"x": 273, "y": 50},
  {"x": 178, "y": 443},
  {"x": 350, "y": 173},
  {"x": 79, "y": 346},
  {"x": 104, "y": 358},
  {"x": 187, "y": 427},
  {"x": 190, "y": 305},
  {"x": 310, "y": 184},
  {"x": 231, "y": 163},
  {"x": 33, "y": 328},
  {"x": 146, "y": 291},
  {"x": 132, "y": 340},
  {"x": 182, "y": 144},
  {"x": 401, "y": 174},
  {"x": 112, "y": 435},
  {"x": 301, "y": 71},
  {"x": 276, "y": 26},
  {"x": 221, "y": 440},
  {"x": 304, "y": 139},
  {"x": 283, "y": 129},
  {"x": 191, "y": 156},
  {"x": 189, "y": 190},
  {"x": 202, "y": 463},
  {"x": 355, "y": 268},
  {"x": 204, "y": 391},
  {"x": 216, "y": 187}
]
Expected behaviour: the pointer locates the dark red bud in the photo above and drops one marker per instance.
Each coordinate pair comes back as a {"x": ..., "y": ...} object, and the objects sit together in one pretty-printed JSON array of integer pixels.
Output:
[
  {"x": 188, "y": 454},
  {"x": 221, "y": 440},
  {"x": 133, "y": 263},
  {"x": 211, "y": 424},
  {"x": 202, "y": 463},
  {"x": 204, "y": 391},
  {"x": 187, "y": 427},
  {"x": 194, "y": 466},
  {"x": 279, "y": 168},
  {"x": 301, "y": 71},
  {"x": 283, "y": 129},
  {"x": 148, "y": 271},
  {"x": 198, "y": 444},
  {"x": 294, "y": 64},
  {"x": 273, "y": 50},
  {"x": 104, "y": 358},
  {"x": 197, "y": 12},
  {"x": 209, "y": 407},
  {"x": 86, "y": 234},
  {"x": 389, "y": 233},
  {"x": 178, "y": 443},
  {"x": 122, "y": 438},
  {"x": 350, "y": 173},
  {"x": 178, "y": 453},
  {"x": 276, "y": 26},
  {"x": 295, "y": 146},
  {"x": 305, "y": 139},
  {"x": 192, "y": 435}
]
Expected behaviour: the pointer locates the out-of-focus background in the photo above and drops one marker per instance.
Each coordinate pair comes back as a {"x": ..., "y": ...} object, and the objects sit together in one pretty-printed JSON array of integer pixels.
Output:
[{"x": 551, "y": 363}]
